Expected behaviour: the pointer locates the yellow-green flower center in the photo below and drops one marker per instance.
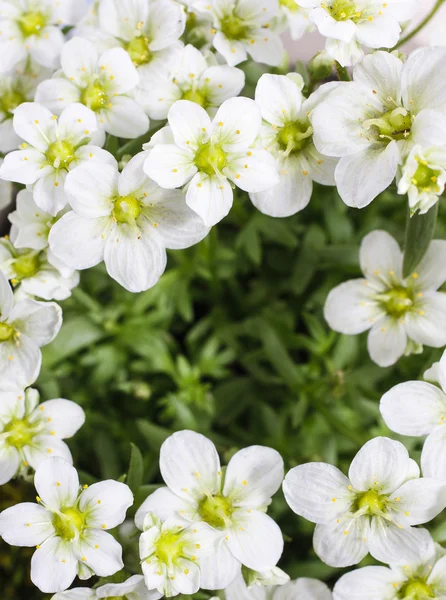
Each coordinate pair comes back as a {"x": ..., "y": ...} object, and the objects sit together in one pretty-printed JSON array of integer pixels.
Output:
[
  {"x": 31, "y": 23},
  {"x": 195, "y": 96},
  {"x": 290, "y": 4},
  {"x": 216, "y": 511},
  {"x": 425, "y": 178},
  {"x": 94, "y": 96},
  {"x": 70, "y": 523},
  {"x": 127, "y": 209},
  {"x": 210, "y": 159},
  {"x": 10, "y": 100},
  {"x": 26, "y": 265},
  {"x": 234, "y": 28},
  {"x": 138, "y": 49},
  {"x": 342, "y": 10},
  {"x": 6, "y": 332},
  {"x": 294, "y": 136},
  {"x": 397, "y": 301},
  {"x": 371, "y": 501},
  {"x": 20, "y": 432},
  {"x": 60, "y": 154},
  {"x": 416, "y": 589},
  {"x": 393, "y": 125},
  {"x": 169, "y": 548}
]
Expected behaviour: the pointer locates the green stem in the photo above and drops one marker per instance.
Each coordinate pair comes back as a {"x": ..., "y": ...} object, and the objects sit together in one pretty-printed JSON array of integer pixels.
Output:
[
  {"x": 423, "y": 23},
  {"x": 342, "y": 72}
]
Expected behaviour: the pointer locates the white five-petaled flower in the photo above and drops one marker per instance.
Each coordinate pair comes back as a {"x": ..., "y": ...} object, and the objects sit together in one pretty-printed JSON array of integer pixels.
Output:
[
  {"x": 410, "y": 580},
  {"x": 102, "y": 83},
  {"x": 372, "y": 123},
  {"x": 132, "y": 589},
  {"x": 303, "y": 588},
  {"x": 53, "y": 147},
  {"x": 418, "y": 408},
  {"x": 243, "y": 27},
  {"x": 190, "y": 78},
  {"x": 207, "y": 153},
  {"x": 30, "y": 432},
  {"x": 288, "y": 135},
  {"x": 68, "y": 526},
  {"x": 373, "y": 510},
  {"x": 350, "y": 24},
  {"x": 234, "y": 504},
  {"x": 32, "y": 28},
  {"x": 423, "y": 175},
  {"x": 171, "y": 553},
  {"x": 124, "y": 219},
  {"x": 401, "y": 314},
  {"x": 25, "y": 326}
]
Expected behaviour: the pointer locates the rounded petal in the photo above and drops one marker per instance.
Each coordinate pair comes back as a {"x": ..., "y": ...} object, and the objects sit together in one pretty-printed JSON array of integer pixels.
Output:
[
  {"x": 279, "y": 99},
  {"x": 125, "y": 118},
  {"x": 63, "y": 417},
  {"x": 50, "y": 473},
  {"x": 380, "y": 73},
  {"x": 350, "y": 307},
  {"x": 267, "y": 47},
  {"x": 22, "y": 166},
  {"x": 254, "y": 171},
  {"x": 223, "y": 82},
  {"x": 421, "y": 499},
  {"x": 233, "y": 52},
  {"x": 236, "y": 124},
  {"x": 317, "y": 491},
  {"x": 219, "y": 569},
  {"x": 343, "y": 542},
  {"x": 49, "y": 191},
  {"x": 427, "y": 323},
  {"x": 79, "y": 60},
  {"x": 381, "y": 258},
  {"x": 368, "y": 583},
  {"x": 190, "y": 124},
  {"x": 387, "y": 541},
  {"x": 164, "y": 504},
  {"x": 381, "y": 463},
  {"x": 106, "y": 503},
  {"x": 101, "y": 552},
  {"x": 189, "y": 464},
  {"x": 210, "y": 197},
  {"x": 42, "y": 447},
  {"x": 91, "y": 188},
  {"x": 423, "y": 82},
  {"x": 166, "y": 24},
  {"x": 6, "y": 297},
  {"x": 25, "y": 524},
  {"x": 170, "y": 166},
  {"x": 431, "y": 270},
  {"x": 46, "y": 48},
  {"x": 413, "y": 408},
  {"x": 39, "y": 321},
  {"x": 53, "y": 566},
  {"x": 56, "y": 94},
  {"x": 387, "y": 341},
  {"x": 9, "y": 462},
  {"x": 433, "y": 456},
  {"x": 253, "y": 476},
  {"x": 304, "y": 587},
  {"x": 34, "y": 123}
]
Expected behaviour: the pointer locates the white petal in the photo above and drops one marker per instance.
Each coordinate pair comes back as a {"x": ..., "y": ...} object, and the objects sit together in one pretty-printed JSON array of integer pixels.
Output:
[
  {"x": 210, "y": 197},
  {"x": 424, "y": 79},
  {"x": 12, "y": 52},
  {"x": 253, "y": 476},
  {"x": 386, "y": 341},
  {"x": 219, "y": 569},
  {"x": 267, "y": 47},
  {"x": 40, "y": 321},
  {"x": 317, "y": 491},
  {"x": 42, "y": 447},
  {"x": 427, "y": 323},
  {"x": 238, "y": 591},
  {"x": 223, "y": 82},
  {"x": 234, "y": 52},
  {"x": 350, "y": 307},
  {"x": 382, "y": 463},
  {"x": 91, "y": 188},
  {"x": 53, "y": 566},
  {"x": 164, "y": 504},
  {"x": 125, "y": 118},
  {"x": 51, "y": 472},
  {"x": 433, "y": 456},
  {"x": 187, "y": 577},
  {"x": 9, "y": 462},
  {"x": 236, "y": 124},
  {"x": 135, "y": 256},
  {"x": 304, "y": 587},
  {"x": 62, "y": 416},
  {"x": 343, "y": 543},
  {"x": 79, "y": 242},
  {"x": 381, "y": 258},
  {"x": 368, "y": 583},
  {"x": 413, "y": 408},
  {"x": 432, "y": 268},
  {"x": 255, "y": 540},
  {"x": 121, "y": 19},
  {"x": 101, "y": 552},
  {"x": 437, "y": 577},
  {"x": 361, "y": 177},
  {"x": 331, "y": 28},
  {"x": 75, "y": 121},
  {"x": 166, "y": 23},
  {"x": 189, "y": 464},
  {"x": 380, "y": 72},
  {"x": 134, "y": 588},
  {"x": 106, "y": 503},
  {"x": 322, "y": 168},
  {"x": 9, "y": 140},
  {"x": 25, "y": 524},
  {"x": 387, "y": 541},
  {"x": 117, "y": 64},
  {"x": 6, "y": 297},
  {"x": 279, "y": 99},
  {"x": 20, "y": 364},
  {"x": 421, "y": 499},
  {"x": 49, "y": 191},
  {"x": 429, "y": 128},
  {"x": 190, "y": 124},
  {"x": 46, "y": 47},
  {"x": 382, "y": 32},
  {"x": 34, "y": 123},
  {"x": 170, "y": 166},
  {"x": 22, "y": 166},
  {"x": 56, "y": 94},
  {"x": 79, "y": 60},
  {"x": 254, "y": 171},
  {"x": 76, "y": 594}
]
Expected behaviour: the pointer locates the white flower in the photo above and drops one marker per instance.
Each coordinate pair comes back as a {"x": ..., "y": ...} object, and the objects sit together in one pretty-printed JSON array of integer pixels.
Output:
[
  {"x": 103, "y": 83},
  {"x": 350, "y": 24},
  {"x": 287, "y": 134},
  {"x": 295, "y": 18},
  {"x": 233, "y": 504},
  {"x": 30, "y": 432},
  {"x": 68, "y": 526},
  {"x": 190, "y": 78},
  {"x": 5, "y": 191},
  {"x": 124, "y": 219},
  {"x": 242, "y": 27},
  {"x": 418, "y": 408},
  {"x": 32, "y": 28},
  {"x": 15, "y": 88},
  {"x": 373, "y": 510},
  {"x": 132, "y": 589},
  {"x": 402, "y": 314},
  {"x": 423, "y": 177},
  {"x": 301, "y": 589},
  {"x": 171, "y": 553},
  {"x": 373, "y": 122},
  {"x": 25, "y": 326},
  {"x": 36, "y": 272},
  {"x": 53, "y": 147},
  {"x": 421, "y": 579},
  {"x": 30, "y": 224},
  {"x": 207, "y": 153}
]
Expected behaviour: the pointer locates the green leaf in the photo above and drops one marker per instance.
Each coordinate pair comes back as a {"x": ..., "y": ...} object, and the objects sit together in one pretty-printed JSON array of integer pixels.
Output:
[
  {"x": 136, "y": 468},
  {"x": 419, "y": 233},
  {"x": 153, "y": 434}
]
